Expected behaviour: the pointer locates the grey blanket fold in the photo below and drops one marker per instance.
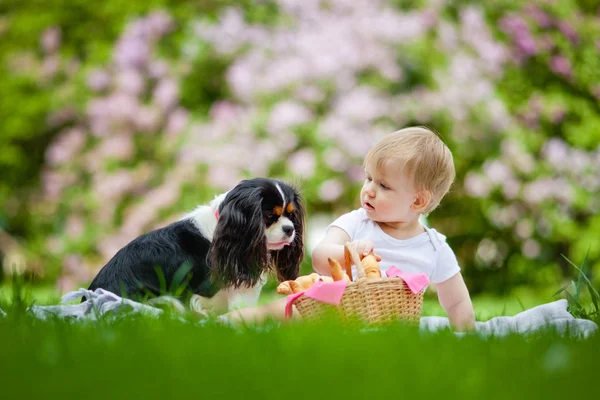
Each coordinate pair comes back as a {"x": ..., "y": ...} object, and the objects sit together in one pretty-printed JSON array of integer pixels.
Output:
[
  {"x": 550, "y": 316},
  {"x": 98, "y": 303}
]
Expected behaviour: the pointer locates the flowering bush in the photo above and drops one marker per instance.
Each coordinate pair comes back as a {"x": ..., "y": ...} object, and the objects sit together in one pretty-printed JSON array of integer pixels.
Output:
[
  {"x": 183, "y": 108},
  {"x": 540, "y": 190}
]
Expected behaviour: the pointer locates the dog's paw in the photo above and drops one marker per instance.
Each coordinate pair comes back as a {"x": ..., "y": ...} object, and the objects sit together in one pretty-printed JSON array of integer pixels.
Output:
[{"x": 197, "y": 306}]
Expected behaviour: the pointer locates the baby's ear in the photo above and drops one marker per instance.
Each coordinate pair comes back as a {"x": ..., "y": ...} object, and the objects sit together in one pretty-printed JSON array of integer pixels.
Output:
[{"x": 422, "y": 200}]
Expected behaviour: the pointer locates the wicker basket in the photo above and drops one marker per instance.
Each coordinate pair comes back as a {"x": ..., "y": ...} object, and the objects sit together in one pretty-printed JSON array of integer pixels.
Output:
[{"x": 375, "y": 301}]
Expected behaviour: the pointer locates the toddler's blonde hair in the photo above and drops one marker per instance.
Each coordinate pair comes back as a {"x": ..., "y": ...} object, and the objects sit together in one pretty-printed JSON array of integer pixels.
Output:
[{"x": 422, "y": 155}]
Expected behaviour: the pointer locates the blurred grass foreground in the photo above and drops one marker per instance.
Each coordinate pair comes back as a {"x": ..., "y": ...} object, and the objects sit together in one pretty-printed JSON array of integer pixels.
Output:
[
  {"x": 166, "y": 357},
  {"x": 117, "y": 117}
]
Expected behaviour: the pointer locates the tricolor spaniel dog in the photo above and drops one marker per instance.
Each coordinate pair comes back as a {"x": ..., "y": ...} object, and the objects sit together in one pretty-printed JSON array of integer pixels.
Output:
[{"x": 220, "y": 253}]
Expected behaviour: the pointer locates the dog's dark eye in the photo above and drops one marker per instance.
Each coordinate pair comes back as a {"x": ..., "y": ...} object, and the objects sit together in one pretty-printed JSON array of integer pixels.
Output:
[{"x": 270, "y": 217}]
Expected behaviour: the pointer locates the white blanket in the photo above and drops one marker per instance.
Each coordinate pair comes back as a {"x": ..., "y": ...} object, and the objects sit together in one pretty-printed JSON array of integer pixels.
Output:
[
  {"x": 550, "y": 316},
  {"x": 98, "y": 303}
]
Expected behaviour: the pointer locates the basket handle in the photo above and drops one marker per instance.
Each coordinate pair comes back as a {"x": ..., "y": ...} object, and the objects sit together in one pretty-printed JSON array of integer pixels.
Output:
[{"x": 352, "y": 257}]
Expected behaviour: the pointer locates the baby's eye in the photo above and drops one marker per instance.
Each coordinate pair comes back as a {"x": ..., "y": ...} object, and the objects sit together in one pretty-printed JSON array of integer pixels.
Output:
[
  {"x": 368, "y": 179},
  {"x": 383, "y": 186}
]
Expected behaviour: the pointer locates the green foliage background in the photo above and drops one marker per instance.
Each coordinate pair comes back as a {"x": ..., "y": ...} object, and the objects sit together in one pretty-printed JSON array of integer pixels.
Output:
[{"x": 550, "y": 92}]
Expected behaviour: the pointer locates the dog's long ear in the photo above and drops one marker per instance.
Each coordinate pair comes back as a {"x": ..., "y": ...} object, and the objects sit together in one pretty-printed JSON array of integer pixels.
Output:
[
  {"x": 287, "y": 260},
  {"x": 238, "y": 252}
]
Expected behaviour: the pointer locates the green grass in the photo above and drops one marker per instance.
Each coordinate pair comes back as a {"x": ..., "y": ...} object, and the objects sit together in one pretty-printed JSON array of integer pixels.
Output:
[
  {"x": 147, "y": 358},
  {"x": 142, "y": 357}
]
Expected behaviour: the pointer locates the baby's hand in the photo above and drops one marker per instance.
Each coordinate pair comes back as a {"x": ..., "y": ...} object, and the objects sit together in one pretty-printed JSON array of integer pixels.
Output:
[{"x": 364, "y": 247}]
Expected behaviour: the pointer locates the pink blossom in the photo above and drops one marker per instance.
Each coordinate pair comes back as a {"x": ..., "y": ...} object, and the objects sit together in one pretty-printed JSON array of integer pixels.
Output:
[
  {"x": 164, "y": 195},
  {"x": 61, "y": 117},
  {"x": 117, "y": 147},
  {"x": 241, "y": 80},
  {"x": 131, "y": 52},
  {"x": 511, "y": 188},
  {"x": 223, "y": 110},
  {"x": 120, "y": 107},
  {"x": 362, "y": 104},
  {"x": 302, "y": 163},
  {"x": 159, "y": 23},
  {"x": 447, "y": 36},
  {"x": 560, "y": 65},
  {"x": 75, "y": 226},
  {"x": 518, "y": 29},
  {"x": 54, "y": 183},
  {"x": 548, "y": 189},
  {"x": 222, "y": 177},
  {"x": 98, "y": 80},
  {"x": 330, "y": 190},
  {"x": 335, "y": 159},
  {"x": 177, "y": 122},
  {"x": 166, "y": 93},
  {"x": 287, "y": 114},
  {"x": 109, "y": 245},
  {"x": 55, "y": 245},
  {"x": 157, "y": 69},
  {"x": 487, "y": 251},
  {"x": 310, "y": 94},
  {"x": 50, "y": 66},
  {"x": 524, "y": 228},
  {"x": 51, "y": 40},
  {"x": 229, "y": 33},
  {"x": 356, "y": 174},
  {"x": 579, "y": 161},
  {"x": 557, "y": 115},
  {"x": 476, "y": 185},
  {"x": 147, "y": 119},
  {"x": 72, "y": 68},
  {"x": 72, "y": 263},
  {"x": 65, "y": 147},
  {"x": 111, "y": 187},
  {"x": 496, "y": 171},
  {"x": 556, "y": 152},
  {"x": 531, "y": 248},
  {"x": 539, "y": 16},
  {"x": 65, "y": 283},
  {"x": 130, "y": 81},
  {"x": 505, "y": 216},
  {"x": 568, "y": 31}
]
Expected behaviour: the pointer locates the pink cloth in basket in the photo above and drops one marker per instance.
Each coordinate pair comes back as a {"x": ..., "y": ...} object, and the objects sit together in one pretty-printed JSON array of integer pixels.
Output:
[
  {"x": 330, "y": 293},
  {"x": 415, "y": 282}
]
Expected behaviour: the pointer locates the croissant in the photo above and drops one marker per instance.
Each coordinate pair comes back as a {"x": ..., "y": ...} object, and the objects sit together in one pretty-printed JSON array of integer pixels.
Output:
[
  {"x": 371, "y": 266},
  {"x": 295, "y": 287},
  {"x": 306, "y": 281},
  {"x": 337, "y": 273},
  {"x": 284, "y": 288},
  {"x": 300, "y": 284}
]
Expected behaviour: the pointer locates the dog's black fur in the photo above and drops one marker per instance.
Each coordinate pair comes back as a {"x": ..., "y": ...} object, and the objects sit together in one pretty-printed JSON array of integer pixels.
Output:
[{"x": 183, "y": 259}]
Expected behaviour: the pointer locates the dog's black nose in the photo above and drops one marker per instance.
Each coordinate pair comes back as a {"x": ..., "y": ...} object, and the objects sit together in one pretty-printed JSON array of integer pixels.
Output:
[{"x": 288, "y": 230}]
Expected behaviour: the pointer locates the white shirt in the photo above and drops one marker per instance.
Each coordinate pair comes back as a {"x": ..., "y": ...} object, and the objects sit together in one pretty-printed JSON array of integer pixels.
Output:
[{"x": 427, "y": 253}]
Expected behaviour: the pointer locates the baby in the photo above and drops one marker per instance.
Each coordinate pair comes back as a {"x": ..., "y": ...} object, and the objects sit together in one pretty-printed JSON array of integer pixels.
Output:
[{"x": 406, "y": 175}]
